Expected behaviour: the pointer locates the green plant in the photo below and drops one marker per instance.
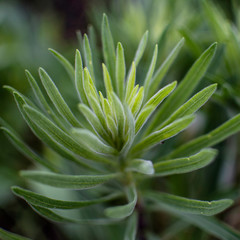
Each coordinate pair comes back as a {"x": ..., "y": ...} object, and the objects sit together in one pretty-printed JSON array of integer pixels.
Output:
[{"x": 109, "y": 142}]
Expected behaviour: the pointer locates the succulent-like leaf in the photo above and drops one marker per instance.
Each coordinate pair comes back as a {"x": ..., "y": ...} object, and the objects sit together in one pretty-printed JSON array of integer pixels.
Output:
[
  {"x": 130, "y": 81},
  {"x": 107, "y": 81},
  {"x": 68, "y": 181},
  {"x": 136, "y": 102},
  {"x": 46, "y": 202},
  {"x": 184, "y": 165},
  {"x": 186, "y": 205}
]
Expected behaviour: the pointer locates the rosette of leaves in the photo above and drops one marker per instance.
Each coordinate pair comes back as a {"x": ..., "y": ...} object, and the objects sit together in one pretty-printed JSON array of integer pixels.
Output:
[{"x": 110, "y": 141}]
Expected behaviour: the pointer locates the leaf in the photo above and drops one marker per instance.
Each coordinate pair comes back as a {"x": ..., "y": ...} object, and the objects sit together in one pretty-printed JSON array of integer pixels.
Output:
[
  {"x": 150, "y": 72},
  {"x": 42, "y": 201},
  {"x": 185, "y": 88},
  {"x": 107, "y": 81},
  {"x": 152, "y": 104},
  {"x": 26, "y": 151},
  {"x": 57, "y": 99},
  {"x": 79, "y": 78},
  {"x": 207, "y": 224},
  {"x": 108, "y": 48},
  {"x": 68, "y": 181},
  {"x": 88, "y": 56},
  {"x": 66, "y": 64},
  {"x": 141, "y": 166},
  {"x": 141, "y": 48},
  {"x": 163, "y": 134},
  {"x": 120, "y": 70},
  {"x": 131, "y": 228},
  {"x": 222, "y": 132},
  {"x": 126, "y": 210},
  {"x": 185, "y": 205},
  {"x": 6, "y": 235},
  {"x": 184, "y": 165},
  {"x": 90, "y": 140},
  {"x": 162, "y": 70},
  {"x": 61, "y": 137},
  {"x": 192, "y": 105},
  {"x": 130, "y": 82},
  {"x": 51, "y": 215},
  {"x": 136, "y": 102}
]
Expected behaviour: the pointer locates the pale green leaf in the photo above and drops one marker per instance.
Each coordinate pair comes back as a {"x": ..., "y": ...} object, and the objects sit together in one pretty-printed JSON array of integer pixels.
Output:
[
  {"x": 46, "y": 202},
  {"x": 222, "y": 132},
  {"x": 66, "y": 64},
  {"x": 137, "y": 101},
  {"x": 141, "y": 47},
  {"x": 152, "y": 104},
  {"x": 141, "y": 166},
  {"x": 120, "y": 70},
  {"x": 57, "y": 99},
  {"x": 162, "y": 70},
  {"x": 163, "y": 134},
  {"x": 68, "y": 181},
  {"x": 186, "y": 205},
  {"x": 108, "y": 48},
  {"x": 131, "y": 228},
  {"x": 6, "y": 235},
  {"x": 130, "y": 82},
  {"x": 185, "y": 88},
  {"x": 184, "y": 165},
  {"x": 150, "y": 72},
  {"x": 107, "y": 81},
  {"x": 126, "y": 210},
  {"x": 192, "y": 105}
]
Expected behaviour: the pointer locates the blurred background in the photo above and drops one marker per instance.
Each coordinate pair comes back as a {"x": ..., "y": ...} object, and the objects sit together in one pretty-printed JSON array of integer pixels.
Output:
[{"x": 29, "y": 27}]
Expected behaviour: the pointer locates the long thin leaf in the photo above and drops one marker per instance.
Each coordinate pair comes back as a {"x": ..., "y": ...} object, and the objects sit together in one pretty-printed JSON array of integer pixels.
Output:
[
  {"x": 43, "y": 201},
  {"x": 185, "y": 88},
  {"x": 68, "y": 181},
  {"x": 108, "y": 48},
  {"x": 57, "y": 99},
  {"x": 131, "y": 228},
  {"x": 186, "y": 205},
  {"x": 6, "y": 235},
  {"x": 123, "y": 211},
  {"x": 141, "y": 166},
  {"x": 163, "y": 134},
  {"x": 66, "y": 64},
  {"x": 222, "y": 132},
  {"x": 184, "y": 165}
]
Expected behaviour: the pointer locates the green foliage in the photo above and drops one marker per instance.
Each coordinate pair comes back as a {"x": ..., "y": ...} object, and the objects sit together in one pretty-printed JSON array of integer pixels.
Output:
[{"x": 110, "y": 146}]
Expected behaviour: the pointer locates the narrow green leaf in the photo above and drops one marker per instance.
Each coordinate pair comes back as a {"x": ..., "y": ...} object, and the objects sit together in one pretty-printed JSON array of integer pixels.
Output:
[
  {"x": 163, "y": 134},
  {"x": 192, "y": 105},
  {"x": 137, "y": 101},
  {"x": 108, "y": 48},
  {"x": 162, "y": 70},
  {"x": 61, "y": 137},
  {"x": 184, "y": 165},
  {"x": 51, "y": 215},
  {"x": 88, "y": 56},
  {"x": 43, "y": 201},
  {"x": 141, "y": 47},
  {"x": 107, "y": 81},
  {"x": 79, "y": 78},
  {"x": 68, "y": 181},
  {"x": 66, "y": 64},
  {"x": 152, "y": 104},
  {"x": 150, "y": 72},
  {"x": 123, "y": 211},
  {"x": 222, "y": 132},
  {"x": 131, "y": 228},
  {"x": 186, "y": 205},
  {"x": 26, "y": 151},
  {"x": 185, "y": 88},
  {"x": 141, "y": 166},
  {"x": 57, "y": 99},
  {"x": 90, "y": 140},
  {"x": 6, "y": 235},
  {"x": 130, "y": 81},
  {"x": 133, "y": 94},
  {"x": 120, "y": 70}
]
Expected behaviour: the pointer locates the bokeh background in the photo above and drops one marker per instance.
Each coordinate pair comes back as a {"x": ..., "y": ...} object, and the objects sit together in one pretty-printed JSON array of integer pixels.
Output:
[{"x": 29, "y": 27}]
